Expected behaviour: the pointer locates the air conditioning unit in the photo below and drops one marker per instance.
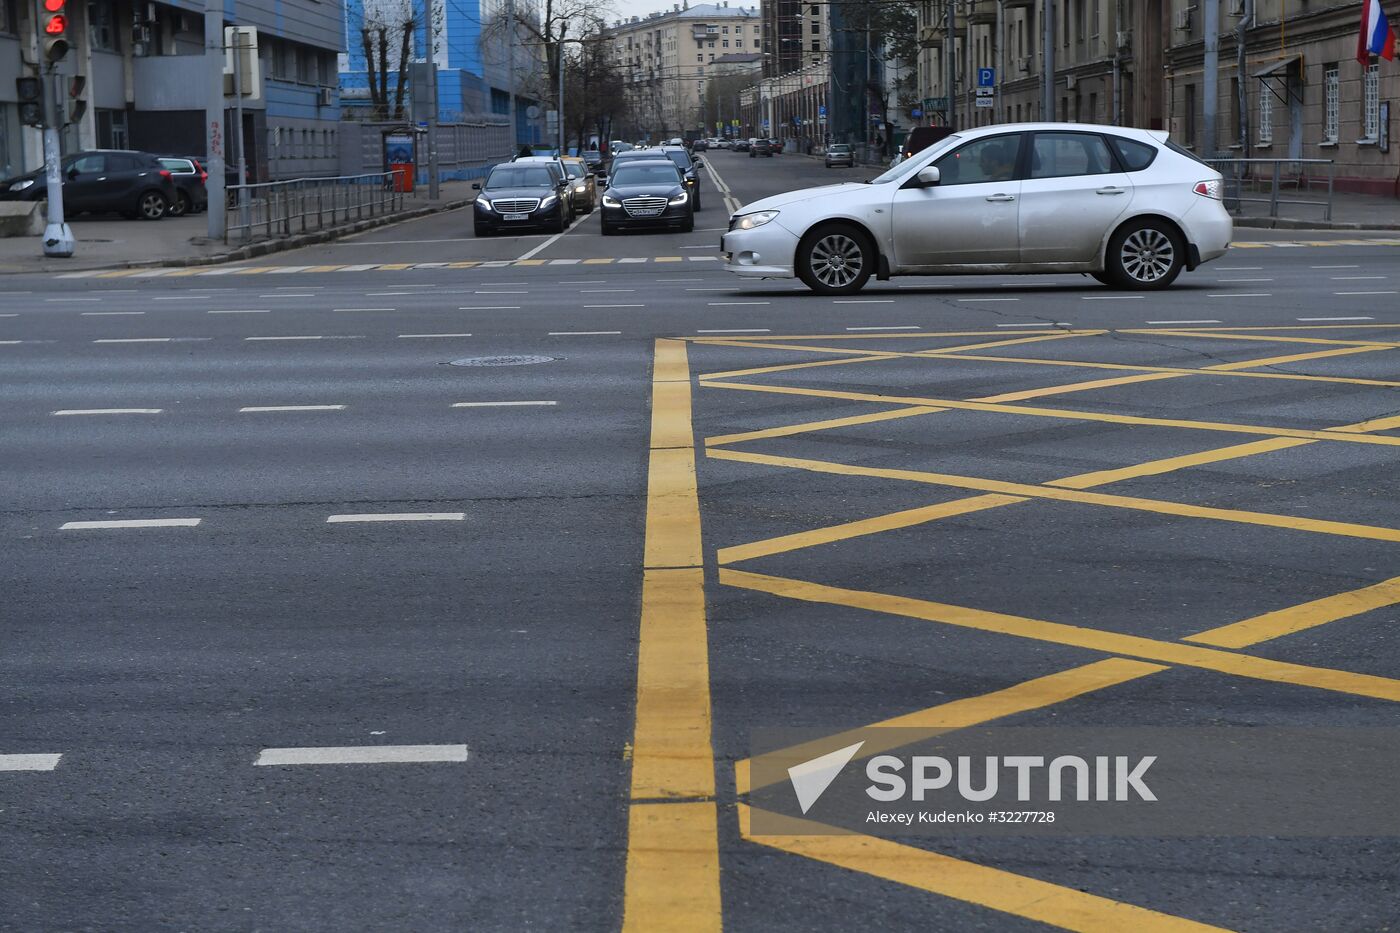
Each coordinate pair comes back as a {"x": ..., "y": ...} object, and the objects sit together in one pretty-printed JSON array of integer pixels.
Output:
[
  {"x": 1183, "y": 20},
  {"x": 324, "y": 97},
  {"x": 1023, "y": 64},
  {"x": 1125, "y": 38}
]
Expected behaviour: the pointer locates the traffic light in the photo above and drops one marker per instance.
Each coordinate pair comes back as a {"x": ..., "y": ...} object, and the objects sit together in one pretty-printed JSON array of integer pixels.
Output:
[
  {"x": 31, "y": 101},
  {"x": 76, "y": 85},
  {"x": 54, "y": 22}
]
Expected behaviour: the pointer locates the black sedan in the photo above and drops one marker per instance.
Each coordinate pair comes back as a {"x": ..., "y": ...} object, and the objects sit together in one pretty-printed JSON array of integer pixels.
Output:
[
  {"x": 521, "y": 194},
  {"x": 647, "y": 194},
  {"x": 134, "y": 184}
]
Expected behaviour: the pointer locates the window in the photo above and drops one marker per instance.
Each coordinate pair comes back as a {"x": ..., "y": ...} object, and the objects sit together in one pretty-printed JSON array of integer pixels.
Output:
[
  {"x": 102, "y": 28},
  {"x": 1266, "y": 115},
  {"x": 816, "y": 45},
  {"x": 111, "y": 129},
  {"x": 1190, "y": 115},
  {"x": 983, "y": 160},
  {"x": 816, "y": 29},
  {"x": 1371, "y": 101},
  {"x": 7, "y": 16},
  {"x": 1094, "y": 19},
  {"x": 1134, "y": 155},
  {"x": 1056, "y": 155},
  {"x": 90, "y": 164},
  {"x": 700, "y": 57},
  {"x": 724, "y": 43},
  {"x": 1332, "y": 104},
  {"x": 724, "y": 29}
]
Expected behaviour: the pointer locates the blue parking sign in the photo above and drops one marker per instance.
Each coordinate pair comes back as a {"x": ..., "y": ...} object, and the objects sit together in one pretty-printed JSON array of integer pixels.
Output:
[{"x": 986, "y": 77}]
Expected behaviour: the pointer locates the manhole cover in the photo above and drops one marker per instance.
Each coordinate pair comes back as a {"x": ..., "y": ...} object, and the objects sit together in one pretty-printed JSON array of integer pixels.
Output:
[{"x": 502, "y": 360}]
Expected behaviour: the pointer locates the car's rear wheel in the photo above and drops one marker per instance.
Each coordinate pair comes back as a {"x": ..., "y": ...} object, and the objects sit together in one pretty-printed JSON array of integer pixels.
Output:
[
  {"x": 835, "y": 260},
  {"x": 151, "y": 205},
  {"x": 1144, "y": 255},
  {"x": 181, "y": 206}
]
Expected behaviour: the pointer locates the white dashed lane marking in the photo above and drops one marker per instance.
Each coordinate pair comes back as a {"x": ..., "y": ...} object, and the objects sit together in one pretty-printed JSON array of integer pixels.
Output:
[
  {"x": 29, "y": 762},
  {"x": 396, "y": 517},
  {"x": 270, "y": 408},
  {"x": 500, "y": 404},
  {"x": 130, "y": 523},
  {"x": 107, "y": 411},
  {"x": 362, "y": 755}
]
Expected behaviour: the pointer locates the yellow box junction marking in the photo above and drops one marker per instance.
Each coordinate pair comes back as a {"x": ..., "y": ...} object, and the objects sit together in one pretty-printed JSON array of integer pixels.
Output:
[{"x": 672, "y": 875}]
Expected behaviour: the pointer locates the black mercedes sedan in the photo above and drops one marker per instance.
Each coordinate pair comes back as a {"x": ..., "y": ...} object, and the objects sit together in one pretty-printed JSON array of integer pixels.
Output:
[
  {"x": 521, "y": 194},
  {"x": 647, "y": 194}
]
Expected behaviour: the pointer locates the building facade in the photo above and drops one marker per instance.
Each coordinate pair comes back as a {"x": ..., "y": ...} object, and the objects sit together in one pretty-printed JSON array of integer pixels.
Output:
[
  {"x": 667, "y": 60},
  {"x": 479, "y": 70},
  {"x": 1297, "y": 92},
  {"x": 146, "y": 81}
]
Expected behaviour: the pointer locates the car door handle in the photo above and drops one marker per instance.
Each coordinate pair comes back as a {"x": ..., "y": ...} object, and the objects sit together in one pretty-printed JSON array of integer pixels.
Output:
[
  {"x": 1109, "y": 190},
  {"x": 1000, "y": 197}
]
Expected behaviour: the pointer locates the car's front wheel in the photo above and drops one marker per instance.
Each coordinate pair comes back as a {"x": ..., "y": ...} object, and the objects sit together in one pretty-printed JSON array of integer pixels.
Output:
[
  {"x": 835, "y": 260},
  {"x": 1144, "y": 255},
  {"x": 151, "y": 205}
]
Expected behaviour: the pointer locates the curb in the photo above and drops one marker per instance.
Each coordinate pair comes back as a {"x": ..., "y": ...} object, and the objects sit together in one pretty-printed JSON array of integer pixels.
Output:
[
  {"x": 296, "y": 241},
  {"x": 267, "y": 247},
  {"x": 1282, "y": 223}
]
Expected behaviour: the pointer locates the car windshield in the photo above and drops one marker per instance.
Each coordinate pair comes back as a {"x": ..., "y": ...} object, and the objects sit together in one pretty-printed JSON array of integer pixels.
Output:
[
  {"x": 520, "y": 176},
  {"x": 592, "y": 154},
  {"x": 679, "y": 156},
  {"x": 840, "y": 147},
  {"x": 646, "y": 175},
  {"x": 908, "y": 166}
]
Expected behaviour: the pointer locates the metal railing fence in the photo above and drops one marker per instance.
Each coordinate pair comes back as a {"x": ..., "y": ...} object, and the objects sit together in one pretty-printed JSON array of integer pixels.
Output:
[
  {"x": 301, "y": 205},
  {"x": 1269, "y": 177}
]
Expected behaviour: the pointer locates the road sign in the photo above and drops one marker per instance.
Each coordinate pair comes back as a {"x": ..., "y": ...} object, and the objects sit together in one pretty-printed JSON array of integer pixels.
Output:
[
  {"x": 985, "y": 92},
  {"x": 821, "y": 110},
  {"x": 916, "y": 112},
  {"x": 986, "y": 77},
  {"x": 986, "y": 102}
]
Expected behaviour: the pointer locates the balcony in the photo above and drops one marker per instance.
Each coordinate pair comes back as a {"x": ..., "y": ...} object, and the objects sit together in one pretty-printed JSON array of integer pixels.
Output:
[
  {"x": 1018, "y": 4},
  {"x": 982, "y": 13}
]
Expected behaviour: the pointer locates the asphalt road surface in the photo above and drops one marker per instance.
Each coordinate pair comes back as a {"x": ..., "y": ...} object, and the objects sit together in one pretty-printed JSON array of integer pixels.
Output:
[{"x": 313, "y": 622}]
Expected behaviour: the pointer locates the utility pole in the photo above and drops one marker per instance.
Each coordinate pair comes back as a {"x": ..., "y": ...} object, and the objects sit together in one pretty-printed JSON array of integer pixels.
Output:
[
  {"x": 510, "y": 74},
  {"x": 430, "y": 26},
  {"x": 1047, "y": 80},
  {"x": 244, "y": 207},
  {"x": 58, "y": 238},
  {"x": 559, "y": 110},
  {"x": 1210, "y": 91},
  {"x": 950, "y": 71},
  {"x": 1241, "y": 58},
  {"x": 214, "y": 113}
]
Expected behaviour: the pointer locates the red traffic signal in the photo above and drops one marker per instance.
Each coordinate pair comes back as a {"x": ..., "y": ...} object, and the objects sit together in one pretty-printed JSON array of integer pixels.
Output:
[
  {"x": 54, "y": 6},
  {"x": 57, "y": 25},
  {"x": 55, "y": 30}
]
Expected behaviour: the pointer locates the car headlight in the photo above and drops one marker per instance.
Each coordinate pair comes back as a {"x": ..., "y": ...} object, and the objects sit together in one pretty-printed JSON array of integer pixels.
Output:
[
  {"x": 609, "y": 201},
  {"x": 580, "y": 189},
  {"x": 756, "y": 219},
  {"x": 679, "y": 199},
  {"x": 483, "y": 204},
  {"x": 548, "y": 202},
  {"x": 689, "y": 180},
  {"x": 22, "y": 184}
]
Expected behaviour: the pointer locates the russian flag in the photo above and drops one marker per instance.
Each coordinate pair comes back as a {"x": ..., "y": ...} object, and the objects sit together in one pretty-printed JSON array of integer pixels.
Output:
[{"x": 1377, "y": 38}]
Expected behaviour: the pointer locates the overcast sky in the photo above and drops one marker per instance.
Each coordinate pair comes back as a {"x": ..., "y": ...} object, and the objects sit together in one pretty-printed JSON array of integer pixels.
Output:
[{"x": 621, "y": 9}]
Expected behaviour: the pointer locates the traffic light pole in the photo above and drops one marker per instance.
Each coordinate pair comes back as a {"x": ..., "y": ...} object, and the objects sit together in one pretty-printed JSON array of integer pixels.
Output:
[{"x": 58, "y": 238}]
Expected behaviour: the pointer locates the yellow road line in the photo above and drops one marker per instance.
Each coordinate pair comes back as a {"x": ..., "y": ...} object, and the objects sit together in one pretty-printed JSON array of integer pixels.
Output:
[
  {"x": 1302, "y": 617},
  {"x": 1029, "y": 695},
  {"x": 672, "y": 879},
  {"x": 597, "y": 262},
  {"x": 992, "y": 888},
  {"x": 1297, "y": 357},
  {"x": 865, "y": 526},
  {"x": 672, "y": 869},
  {"x": 788, "y": 430},
  {"x": 322, "y": 269},
  {"x": 464, "y": 264},
  {"x": 890, "y": 335},
  {"x": 761, "y": 370},
  {"x": 1065, "y": 413},
  {"x": 1158, "y": 506},
  {"x": 1083, "y": 364},
  {"x": 669, "y": 259},
  {"x": 1375, "y": 424},
  {"x": 118, "y": 273},
  {"x": 1170, "y": 464},
  {"x": 531, "y": 262},
  {"x": 1076, "y": 387},
  {"x": 672, "y": 756},
  {"x": 253, "y": 270},
  {"x": 1265, "y": 338},
  {"x": 394, "y": 267},
  {"x": 1115, "y": 643}
]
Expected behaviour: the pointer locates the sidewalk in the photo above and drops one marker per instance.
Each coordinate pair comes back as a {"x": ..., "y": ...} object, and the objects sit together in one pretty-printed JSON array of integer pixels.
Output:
[{"x": 107, "y": 241}]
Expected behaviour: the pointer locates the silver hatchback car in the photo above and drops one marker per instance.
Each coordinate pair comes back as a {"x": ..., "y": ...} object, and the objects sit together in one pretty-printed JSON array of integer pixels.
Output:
[{"x": 1126, "y": 206}]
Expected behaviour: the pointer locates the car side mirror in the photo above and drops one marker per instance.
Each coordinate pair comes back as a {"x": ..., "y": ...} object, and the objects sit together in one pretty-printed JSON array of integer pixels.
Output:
[
  {"x": 476, "y": 186},
  {"x": 928, "y": 177}
]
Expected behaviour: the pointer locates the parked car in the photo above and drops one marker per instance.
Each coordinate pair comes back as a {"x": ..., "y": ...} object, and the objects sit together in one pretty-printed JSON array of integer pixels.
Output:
[
  {"x": 1127, "y": 206},
  {"x": 690, "y": 169},
  {"x": 191, "y": 195},
  {"x": 760, "y": 147},
  {"x": 840, "y": 154},
  {"x": 133, "y": 184},
  {"x": 743, "y": 145},
  {"x": 776, "y": 145},
  {"x": 583, "y": 185},
  {"x": 521, "y": 194},
  {"x": 648, "y": 193},
  {"x": 700, "y": 145}
]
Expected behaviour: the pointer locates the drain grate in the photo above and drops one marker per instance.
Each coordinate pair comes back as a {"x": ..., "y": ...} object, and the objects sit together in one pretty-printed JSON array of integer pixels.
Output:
[{"x": 502, "y": 360}]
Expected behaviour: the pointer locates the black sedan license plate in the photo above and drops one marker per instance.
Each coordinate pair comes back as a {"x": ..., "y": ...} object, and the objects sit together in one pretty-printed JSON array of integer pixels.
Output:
[{"x": 655, "y": 213}]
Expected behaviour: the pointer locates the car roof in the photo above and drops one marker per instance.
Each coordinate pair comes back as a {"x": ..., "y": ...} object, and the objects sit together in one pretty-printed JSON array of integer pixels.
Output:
[
  {"x": 656, "y": 160},
  {"x": 1157, "y": 137}
]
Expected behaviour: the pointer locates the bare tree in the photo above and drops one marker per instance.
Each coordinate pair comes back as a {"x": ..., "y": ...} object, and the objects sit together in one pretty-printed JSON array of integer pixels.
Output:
[{"x": 386, "y": 23}]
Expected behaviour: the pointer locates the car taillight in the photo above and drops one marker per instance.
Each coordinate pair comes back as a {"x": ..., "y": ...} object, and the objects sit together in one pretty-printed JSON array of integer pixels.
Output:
[
  {"x": 203, "y": 176},
  {"x": 1210, "y": 189},
  {"x": 165, "y": 173}
]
